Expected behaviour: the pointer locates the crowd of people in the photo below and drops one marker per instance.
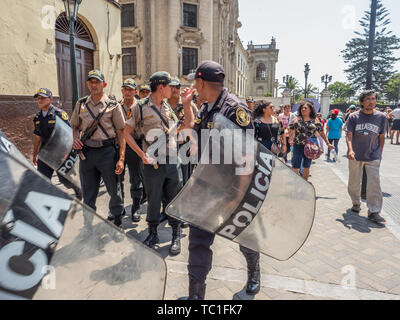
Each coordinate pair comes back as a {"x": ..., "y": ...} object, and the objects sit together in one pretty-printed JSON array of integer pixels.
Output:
[{"x": 120, "y": 140}]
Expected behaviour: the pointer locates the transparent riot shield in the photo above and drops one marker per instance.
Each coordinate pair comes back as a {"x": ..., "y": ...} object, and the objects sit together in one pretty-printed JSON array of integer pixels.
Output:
[
  {"x": 54, "y": 247},
  {"x": 58, "y": 154},
  {"x": 247, "y": 195}
]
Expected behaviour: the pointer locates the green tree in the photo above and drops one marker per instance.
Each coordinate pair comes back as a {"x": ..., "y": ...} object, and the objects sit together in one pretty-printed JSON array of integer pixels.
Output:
[
  {"x": 356, "y": 52},
  {"x": 341, "y": 92},
  {"x": 392, "y": 89}
]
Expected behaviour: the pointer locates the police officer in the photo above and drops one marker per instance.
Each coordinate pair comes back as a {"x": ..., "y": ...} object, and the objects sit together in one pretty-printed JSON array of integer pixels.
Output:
[
  {"x": 161, "y": 180},
  {"x": 101, "y": 158},
  {"x": 175, "y": 102},
  {"x": 44, "y": 122},
  {"x": 250, "y": 103},
  {"x": 144, "y": 91},
  {"x": 135, "y": 165},
  {"x": 209, "y": 78}
]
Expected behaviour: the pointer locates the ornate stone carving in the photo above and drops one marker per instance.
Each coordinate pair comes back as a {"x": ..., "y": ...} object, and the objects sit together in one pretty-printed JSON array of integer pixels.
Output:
[
  {"x": 189, "y": 37},
  {"x": 131, "y": 37}
]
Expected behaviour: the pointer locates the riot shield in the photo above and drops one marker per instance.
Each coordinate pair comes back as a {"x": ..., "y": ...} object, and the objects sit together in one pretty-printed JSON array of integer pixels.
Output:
[
  {"x": 58, "y": 154},
  {"x": 54, "y": 247},
  {"x": 267, "y": 208}
]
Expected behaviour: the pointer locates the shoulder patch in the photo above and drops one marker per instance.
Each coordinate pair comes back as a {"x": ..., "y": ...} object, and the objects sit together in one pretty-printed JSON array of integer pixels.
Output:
[
  {"x": 64, "y": 116},
  {"x": 242, "y": 117}
]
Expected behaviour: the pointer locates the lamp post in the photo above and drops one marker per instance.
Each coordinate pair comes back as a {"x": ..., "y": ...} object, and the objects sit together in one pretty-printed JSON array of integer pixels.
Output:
[
  {"x": 326, "y": 79},
  {"x": 179, "y": 62},
  {"x": 71, "y": 11},
  {"x": 306, "y": 73}
]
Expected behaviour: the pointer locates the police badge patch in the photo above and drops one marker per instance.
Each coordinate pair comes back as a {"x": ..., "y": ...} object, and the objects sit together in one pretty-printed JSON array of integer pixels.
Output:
[
  {"x": 64, "y": 115},
  {"x": 242, "y": 117}
]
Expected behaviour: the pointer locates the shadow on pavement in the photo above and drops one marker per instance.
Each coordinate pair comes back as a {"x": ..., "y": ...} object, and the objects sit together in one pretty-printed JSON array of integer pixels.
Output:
[
  {"x": 353, "y": 220},
  {"x": 242, "y": 295}
]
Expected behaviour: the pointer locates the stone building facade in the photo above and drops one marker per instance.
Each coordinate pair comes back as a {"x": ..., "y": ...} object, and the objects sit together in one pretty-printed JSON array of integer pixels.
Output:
[
  {"x": 34, "y": 53},
  {"x": 262, "y": 68}
]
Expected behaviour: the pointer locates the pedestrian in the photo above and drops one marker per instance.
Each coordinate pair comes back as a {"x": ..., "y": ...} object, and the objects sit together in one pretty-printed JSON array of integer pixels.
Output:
[
  {"x": 209, "y": 77},
  {"x": 350, "y": 110},
  {"x": 365, "y": 138},
  {"x": 286, "y": 117},
  {"x": 144, "y": 91},
  {"x": 250, "y": 103},
  {"x": 334, "y": 132},
  {"x": 44, "y": 123},
  {"x": 303, "y": 127},
  {"x": 132, "y": 160},
  {"x": 161, "y": 180},
  {"x": 102, "y": 159},
  {"x": 268, "y": 129},
  {"x": 390, "y": 122},
  {"x": 395, "y": 115}
]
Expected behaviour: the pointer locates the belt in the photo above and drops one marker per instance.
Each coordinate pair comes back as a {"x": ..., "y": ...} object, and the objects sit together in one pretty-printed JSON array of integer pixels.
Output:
[{"x": 97, "y": 144}]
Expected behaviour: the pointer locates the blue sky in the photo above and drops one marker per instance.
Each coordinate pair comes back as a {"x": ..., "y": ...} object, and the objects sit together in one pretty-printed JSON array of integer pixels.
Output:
[{"x": 313, "y": 31}]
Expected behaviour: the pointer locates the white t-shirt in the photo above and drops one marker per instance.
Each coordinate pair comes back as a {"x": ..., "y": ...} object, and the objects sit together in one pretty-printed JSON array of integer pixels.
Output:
[{"x": 396, "y": 114}]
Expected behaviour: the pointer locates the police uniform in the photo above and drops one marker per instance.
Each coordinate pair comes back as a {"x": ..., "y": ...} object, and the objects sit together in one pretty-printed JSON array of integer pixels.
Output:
[
  {"x": 186, "y": 169},
  {"x": 44, "y": 126},
  {"x": 100, "y": 150},
  {"x": 200, "y": 241},
  {"x": 132, "y": 160},
  {"x": 162, "y": 182}
]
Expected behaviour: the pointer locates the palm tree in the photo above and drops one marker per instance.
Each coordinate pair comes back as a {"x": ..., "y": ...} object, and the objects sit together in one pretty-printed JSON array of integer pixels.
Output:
[
  {"x": 310, "y": 89},
  {"x": 292, "y": 85}
]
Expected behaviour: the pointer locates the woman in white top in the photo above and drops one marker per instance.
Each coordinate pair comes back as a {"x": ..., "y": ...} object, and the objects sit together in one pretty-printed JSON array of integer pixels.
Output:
[{"x": 395, "y": 115}]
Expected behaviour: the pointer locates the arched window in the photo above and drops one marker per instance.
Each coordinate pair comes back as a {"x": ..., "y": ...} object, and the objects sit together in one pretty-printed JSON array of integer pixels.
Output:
[
  {"x": 261, "y": 72},
  {"x": 81, "y": 31}
]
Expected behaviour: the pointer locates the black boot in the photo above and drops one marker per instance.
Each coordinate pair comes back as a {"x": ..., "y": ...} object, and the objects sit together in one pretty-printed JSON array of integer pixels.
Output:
[
  {"x": 134, "y": 210},
  {"x": 197, "y": 291},
  {"x": 152, "y": 238},
  {"x": 117, "y": 220},
  {"x": 253, "y": 273},
  {"x": 175, "y": 247}
]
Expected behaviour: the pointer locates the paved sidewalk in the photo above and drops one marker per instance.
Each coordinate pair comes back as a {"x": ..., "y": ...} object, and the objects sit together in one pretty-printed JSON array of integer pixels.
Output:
[{"x": 342, "y": 247}]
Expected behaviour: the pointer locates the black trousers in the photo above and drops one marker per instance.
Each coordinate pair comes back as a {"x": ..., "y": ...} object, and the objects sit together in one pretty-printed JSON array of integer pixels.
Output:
[
  {"x": 200, "y": 253},
  {"x": 100, "y": 163},
  {"x": 48, "y": 172},
  {"x": 161, "y": 185},
  {"x": 135, "y": 167}
]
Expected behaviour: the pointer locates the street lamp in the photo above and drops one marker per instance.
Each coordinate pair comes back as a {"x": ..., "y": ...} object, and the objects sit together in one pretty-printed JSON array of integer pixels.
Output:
[
  {"x": 71, "y": 11},
  {"x": 306, "y": 73},
  {"x": 179, "y": 62},
  {"x": 326, "y": 79}
]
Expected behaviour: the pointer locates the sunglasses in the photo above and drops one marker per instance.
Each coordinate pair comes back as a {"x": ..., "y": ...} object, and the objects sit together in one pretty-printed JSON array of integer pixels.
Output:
[{"x": 178, "y": 87}]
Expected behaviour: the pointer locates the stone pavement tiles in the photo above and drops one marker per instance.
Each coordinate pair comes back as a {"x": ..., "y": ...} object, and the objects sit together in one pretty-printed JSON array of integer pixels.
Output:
[{"x": 345, "y": 256}]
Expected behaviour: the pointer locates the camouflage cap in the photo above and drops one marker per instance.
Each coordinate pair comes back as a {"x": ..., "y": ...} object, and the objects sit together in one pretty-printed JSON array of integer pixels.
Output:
[
  {"x": 43, "y": 92},
  {"x": 144, "y": 87},
  {"x": 97, "y": 74},
  {"x": 175, "y": 82},
  {"x": 161, "y": 77},
  {"x": 249, "y": 99},
  {"x": 130, "y": 83}
]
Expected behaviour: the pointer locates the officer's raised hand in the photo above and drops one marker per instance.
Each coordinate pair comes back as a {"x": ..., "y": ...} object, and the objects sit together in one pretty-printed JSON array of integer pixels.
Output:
[{"x": 187, "y": 96}]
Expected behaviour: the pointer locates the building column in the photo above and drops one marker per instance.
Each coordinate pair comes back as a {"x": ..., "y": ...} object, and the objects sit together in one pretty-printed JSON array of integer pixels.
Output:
[{"x": 325, "y": 102}]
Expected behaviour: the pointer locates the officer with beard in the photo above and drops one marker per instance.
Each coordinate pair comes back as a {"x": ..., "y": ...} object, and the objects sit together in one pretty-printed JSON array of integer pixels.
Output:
[{"x": 209, "y": 78}]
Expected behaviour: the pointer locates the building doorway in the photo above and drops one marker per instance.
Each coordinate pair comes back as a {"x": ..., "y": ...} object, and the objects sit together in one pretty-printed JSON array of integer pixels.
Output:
[{"x": 84, "y": 59}]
